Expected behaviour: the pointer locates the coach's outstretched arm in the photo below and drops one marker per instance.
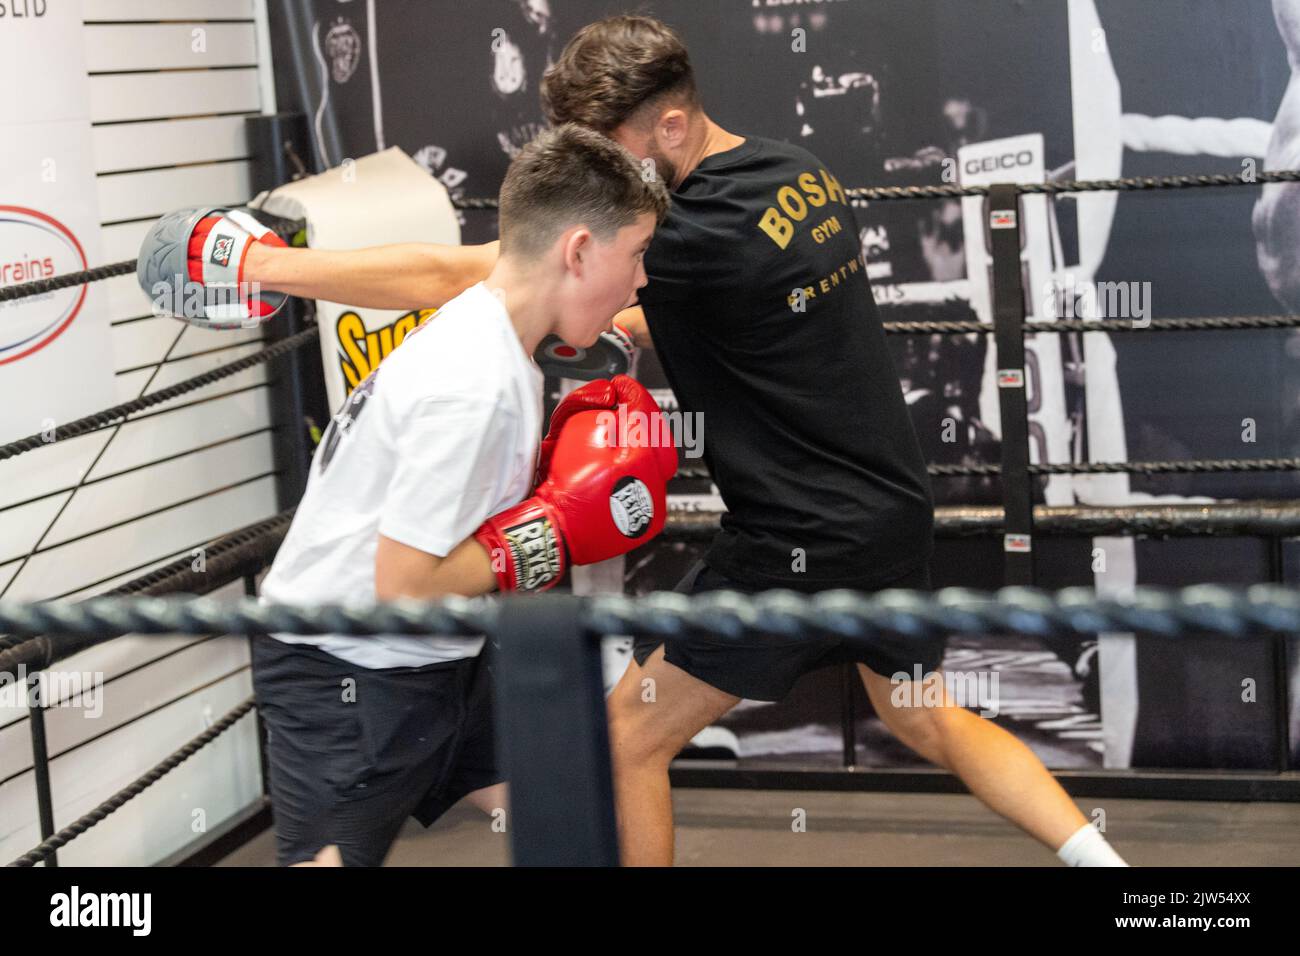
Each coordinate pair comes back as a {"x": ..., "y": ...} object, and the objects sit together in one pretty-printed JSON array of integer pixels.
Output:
[
  {"x": 402, "y": 276},
  {"x": 216, "y": 249}
]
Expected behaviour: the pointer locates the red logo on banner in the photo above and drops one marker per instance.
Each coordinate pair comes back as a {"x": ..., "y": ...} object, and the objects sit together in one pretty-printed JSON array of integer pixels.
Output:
[{"x": 36, "y": 246}]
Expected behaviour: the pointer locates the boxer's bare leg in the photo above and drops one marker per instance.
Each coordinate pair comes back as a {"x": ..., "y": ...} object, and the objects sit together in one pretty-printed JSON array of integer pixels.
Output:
[
  {"x": 489, "y": 799},
  {"x": 649, "y": 723},
  {"x": 328, "y": 856},
  {"x": 997, "y": 768}
]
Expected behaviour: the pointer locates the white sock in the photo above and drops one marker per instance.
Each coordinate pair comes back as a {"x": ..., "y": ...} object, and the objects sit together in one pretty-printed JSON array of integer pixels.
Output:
[{"x": 1088, "y": 848}]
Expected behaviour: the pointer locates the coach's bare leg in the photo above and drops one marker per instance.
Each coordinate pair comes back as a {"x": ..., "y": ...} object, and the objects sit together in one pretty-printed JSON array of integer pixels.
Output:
[
  {"x": 994, "y": 764},
  {"x": 653, "y": 712}
]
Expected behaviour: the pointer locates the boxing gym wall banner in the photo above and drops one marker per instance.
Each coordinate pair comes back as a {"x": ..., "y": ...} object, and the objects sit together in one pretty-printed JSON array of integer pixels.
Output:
[
  {"x": 375, "y": 200},
  {"x": 52, "y": 346}
]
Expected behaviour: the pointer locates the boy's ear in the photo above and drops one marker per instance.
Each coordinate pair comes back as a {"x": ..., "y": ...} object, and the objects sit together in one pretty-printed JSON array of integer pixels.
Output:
[{"x": 576, "y": 244}]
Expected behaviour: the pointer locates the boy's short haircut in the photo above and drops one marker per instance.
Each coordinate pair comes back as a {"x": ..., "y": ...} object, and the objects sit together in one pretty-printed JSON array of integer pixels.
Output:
[
  {"x": 571, "y": 176},
  {"x": 612, "y": 68}
]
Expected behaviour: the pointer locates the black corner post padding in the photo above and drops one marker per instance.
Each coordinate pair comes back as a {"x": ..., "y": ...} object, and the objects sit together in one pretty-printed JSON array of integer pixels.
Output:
[
  {"x": 552, "y": 735},
  {"x": 1005, "y": 231},
  {"x": 296, "y": 393}
]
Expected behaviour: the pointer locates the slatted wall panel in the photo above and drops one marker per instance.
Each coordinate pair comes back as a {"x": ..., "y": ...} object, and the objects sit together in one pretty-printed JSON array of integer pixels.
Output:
[{"x": 170, "y": 84}]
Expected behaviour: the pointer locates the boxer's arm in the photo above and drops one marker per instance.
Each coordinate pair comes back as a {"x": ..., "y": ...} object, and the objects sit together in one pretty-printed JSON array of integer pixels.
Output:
[
  {"x": 634, "y": 323},
  {"x": 403, "y": 276},
  {"x": 405, "y": 572}
]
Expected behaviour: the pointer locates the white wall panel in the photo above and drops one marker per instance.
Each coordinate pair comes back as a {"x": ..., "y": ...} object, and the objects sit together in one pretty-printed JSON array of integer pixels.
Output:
[
  {"x": 150, "y": 96},
  {"x": 162, "y": 46},
  {"x": 152, "y": 193},
  {"x": 168, "y": 142},
  {"x": 146, "y": 10}
]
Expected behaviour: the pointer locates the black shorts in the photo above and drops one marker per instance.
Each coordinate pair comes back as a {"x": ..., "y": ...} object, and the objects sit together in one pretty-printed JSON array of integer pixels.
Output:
[
  {"x": 353, "y": 751},
  {"x": 767, "y": 670}
]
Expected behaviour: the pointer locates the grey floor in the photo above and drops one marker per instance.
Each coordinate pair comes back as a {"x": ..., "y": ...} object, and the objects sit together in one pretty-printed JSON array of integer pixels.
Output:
[{"x": 753, "y": 828}]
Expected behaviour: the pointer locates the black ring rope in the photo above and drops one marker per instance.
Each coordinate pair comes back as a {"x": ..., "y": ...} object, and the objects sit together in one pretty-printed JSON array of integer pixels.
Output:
[
  {"x": 244, "y": 551},
  {"x": 109, "y": 416},
  {"x": 1213, "y": 609},
  {"x": 873, "y": 194},
  {"x": 1193, "y": 466},
  {"x": 1133, "y": 184},
  {"x": 114, "y": 803},
  {"x": 1216, "y": 323},
  {"x": 1030, "y": 612},
  {"x": 85, "y": 473},
  {"x": 474, "y": 202},
  {"x": 1260, "y": 518},
  {"x": 40, "y": 286},
  {"x": 1203, "y": 466}
]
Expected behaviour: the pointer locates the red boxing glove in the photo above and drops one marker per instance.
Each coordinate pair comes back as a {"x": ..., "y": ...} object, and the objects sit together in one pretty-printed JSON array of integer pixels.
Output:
[
  {"x": 601, "y": 496},
  {"x": 601, "y": 394}
]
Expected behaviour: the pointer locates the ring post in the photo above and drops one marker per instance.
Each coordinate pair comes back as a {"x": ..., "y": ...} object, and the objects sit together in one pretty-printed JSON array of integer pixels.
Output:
[
  {"x": 1003, "y": 210},
  {"x": 552, "y": 736}
]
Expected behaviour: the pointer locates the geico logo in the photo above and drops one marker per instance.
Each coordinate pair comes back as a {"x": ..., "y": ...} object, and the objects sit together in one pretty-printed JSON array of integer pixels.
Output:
[
  {"x": 364, "y": 350},
  {"x": 991, "y": 164}
]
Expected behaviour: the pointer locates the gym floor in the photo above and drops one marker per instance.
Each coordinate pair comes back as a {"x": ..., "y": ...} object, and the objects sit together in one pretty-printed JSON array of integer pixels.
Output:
[{"x": 754, "y": 828}]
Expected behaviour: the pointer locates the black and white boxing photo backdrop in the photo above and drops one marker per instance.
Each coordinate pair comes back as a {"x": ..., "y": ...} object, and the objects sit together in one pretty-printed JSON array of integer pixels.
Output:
[{"x": 917, "y": 92}]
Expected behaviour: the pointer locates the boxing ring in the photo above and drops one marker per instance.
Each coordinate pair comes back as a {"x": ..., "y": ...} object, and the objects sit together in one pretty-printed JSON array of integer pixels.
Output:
[{"x": 549, "y": 674}]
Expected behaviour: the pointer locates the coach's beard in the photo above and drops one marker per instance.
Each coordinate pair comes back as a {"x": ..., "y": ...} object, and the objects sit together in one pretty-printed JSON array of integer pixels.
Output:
[{"x": 664, "y": 167}]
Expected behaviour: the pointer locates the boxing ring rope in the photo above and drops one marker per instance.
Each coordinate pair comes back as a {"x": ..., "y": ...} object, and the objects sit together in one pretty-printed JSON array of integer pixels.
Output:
[
  {"x": 117, "y": 413},
  {"x": 1058, "y": 326},
  {"x": 1266, "y": 519},
  {"x": 1227, "y": 612},
  {"x": 561, "y": 783},
  {"x": 240, "y": 554},
  {"x": 245, "y": 552},
  {"x": 534, "y": 627},
  {"x": 1131, "y": 184},
  {"x": 1188, "y": 466},
  {"x": 48, "y": 847},
  {"x": 858, "y": 195}
]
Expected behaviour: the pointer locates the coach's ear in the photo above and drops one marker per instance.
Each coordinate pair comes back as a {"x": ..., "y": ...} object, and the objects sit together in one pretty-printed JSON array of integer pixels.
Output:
[{"x": 671, "y": 128}]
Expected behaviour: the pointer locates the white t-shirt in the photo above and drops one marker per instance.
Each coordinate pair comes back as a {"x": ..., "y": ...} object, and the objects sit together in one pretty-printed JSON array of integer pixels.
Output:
[{"x": 439, "y": 437}]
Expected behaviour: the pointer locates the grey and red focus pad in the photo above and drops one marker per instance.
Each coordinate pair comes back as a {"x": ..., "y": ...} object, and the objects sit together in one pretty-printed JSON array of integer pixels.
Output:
[
  {"x": 191, "y": 267},
  {"x": 610, "y": 356}
]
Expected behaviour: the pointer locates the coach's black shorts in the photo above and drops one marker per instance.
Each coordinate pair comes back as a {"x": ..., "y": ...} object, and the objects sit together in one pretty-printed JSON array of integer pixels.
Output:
[
  {"x": 767, "y": 670},
  {"x": 354, "y": 751}
]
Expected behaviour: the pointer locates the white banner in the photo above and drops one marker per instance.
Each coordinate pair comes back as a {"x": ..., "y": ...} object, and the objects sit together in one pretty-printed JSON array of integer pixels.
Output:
[
  {"x": 54, "y": 348},
  {"x": 378, "y": 199}
]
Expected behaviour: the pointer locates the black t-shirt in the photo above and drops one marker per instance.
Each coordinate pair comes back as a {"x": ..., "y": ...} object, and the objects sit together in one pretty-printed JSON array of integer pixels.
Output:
[{"x": 806, "y": 432}]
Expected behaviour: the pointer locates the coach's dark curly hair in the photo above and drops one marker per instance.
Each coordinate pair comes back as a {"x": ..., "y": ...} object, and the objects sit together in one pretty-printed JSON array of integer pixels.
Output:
[{"x": 612, "y": 68}]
